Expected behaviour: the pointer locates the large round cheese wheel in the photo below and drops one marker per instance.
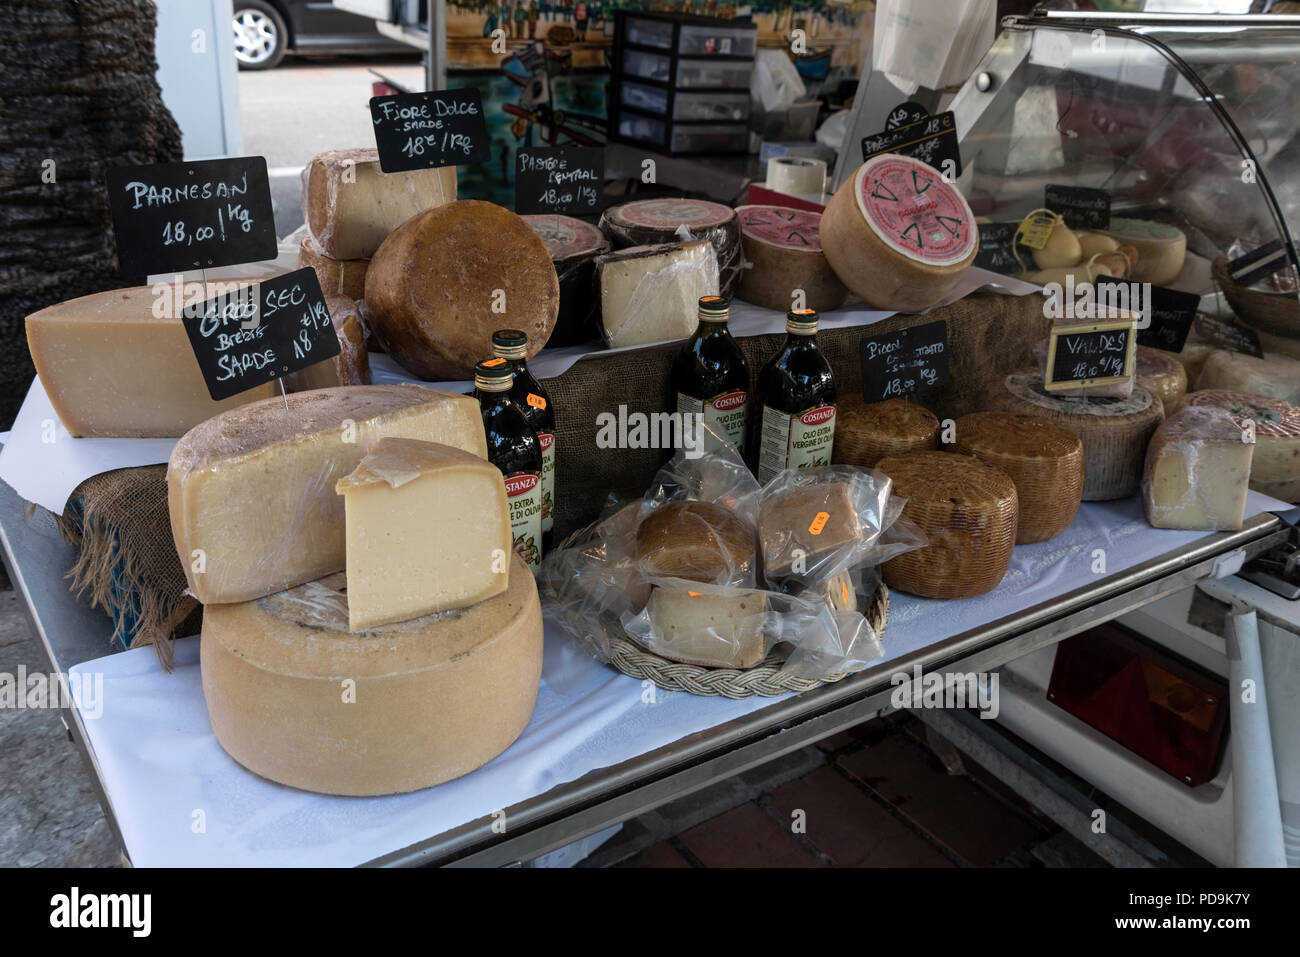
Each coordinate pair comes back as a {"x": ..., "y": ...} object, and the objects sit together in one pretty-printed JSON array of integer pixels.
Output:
[
  {"x": 573, "y": 246},
  {"x": 447, "y": 278},
  {"x": 1275, "y": 468},
  {"x": 649, "y": 222},
  {"x": 1161, "y": 248},
  {"x": 968, "y": 511},
  {"x": 783, "y": 252},
  {"x": 1277, "y": 377},
  {"x": 865, "y": 432},
  {"x": 1114, "y": 431},
  {"x": 898, "y": 235},
  {"x": 297, "y": 698},
  {"x": 1163, "y": 375},
  {"x": 1044, "y": 460}
]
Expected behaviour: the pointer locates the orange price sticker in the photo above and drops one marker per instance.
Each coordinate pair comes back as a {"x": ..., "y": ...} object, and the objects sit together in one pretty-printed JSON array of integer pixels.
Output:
[
  {"x": 694, "y": 594},
  {"x": 494, "y": 362},
  {"x": 536, "y": 401},
  {"x": 818, "y": 523},
  {"x": 844, "y": 593}
]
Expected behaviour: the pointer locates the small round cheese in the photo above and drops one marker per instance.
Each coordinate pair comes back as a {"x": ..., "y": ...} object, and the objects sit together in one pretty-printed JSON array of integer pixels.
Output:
[
  {"x": 698, "y": 541},
  {"x": 650, "y": 222},
  {"x": 1275, "y": 468},
  {"x": 1163, "y": 375},
  {"x": 1277, "y": 377},
  {"x": 783, "y": 252},
  {"x": 968, "y": 511},
  {"x": 1044, "y": 460},
  {"x": 898, "y": 235},
  {"x": 865, "y": 432},
  {"x": 1161, "y": 249}
]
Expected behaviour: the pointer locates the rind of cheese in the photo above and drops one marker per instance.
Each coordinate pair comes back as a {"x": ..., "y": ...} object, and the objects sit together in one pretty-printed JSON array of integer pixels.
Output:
[
  {"x": 432, "y": 698},
  {"x": 1163, "y": 375},
  {"x": 337, "y": 277},
  {"x": 428, "y": 530},
  {"x": 1161, "y": 248},
  {"x": 1197, "y": 471},
  {"x": 968, "y": 511},
  {"x": 865, "y": 432},
  {"x": 897, "y": 235},
  {"x": 697, "y": 541},
  {"x": 817, "y": 524},
  {"x": 436, "y": 284},
  {"x": 351, "y": 366},
  {"x": 1277, "y": 377},
  {"x": 251, "y": 491},
  {"x": 783, "y": 252},
  {"x": 1044, "y": 460},
  {"x": 351, "y": 205},
  {"x": 573, "y": 246},
  {"x": 1275, "y": 467},
  {"x": 653, "y": 222},
  {"x": 114, "y": 368},
  {"x": 714, "y": 631},
  {"x": 651, "y": 293},
  {"x": 1114, "y": 432}
]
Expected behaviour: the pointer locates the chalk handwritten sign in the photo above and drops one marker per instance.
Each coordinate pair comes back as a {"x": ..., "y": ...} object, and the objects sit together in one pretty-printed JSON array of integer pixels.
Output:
[
  {"x": 900, "y": 363},
  {"x": 932, "y": 140},
  {"x": 1080, "y": 206},
  {"x": 178, "y": 216},
  {"x": 428, "y": 130},
  {"x": 1091, "y": 355},
  {"x": 559, "y": 179}
]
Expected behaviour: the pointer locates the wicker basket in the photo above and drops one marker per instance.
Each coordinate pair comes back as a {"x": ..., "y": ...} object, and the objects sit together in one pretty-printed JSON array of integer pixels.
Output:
[{"x": 1276, "y": 313}]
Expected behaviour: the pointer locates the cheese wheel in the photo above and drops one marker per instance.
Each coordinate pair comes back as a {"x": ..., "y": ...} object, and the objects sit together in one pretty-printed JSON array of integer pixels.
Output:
[
  {"x": 1275, "y": 469},
  {"x": 573, "y": 246},
  {"x": 1277, "y": 377},
  {"x": 1163, "y": 375},
  {"x": 1196, "y": 348},
  {"x": 445, "y": 280},
  {"x": 968, "y": 511},
  {"x": 351, "y": 366},
  {"x": 650, "y": 222},
  {"x": 337, "y": 277},
  {"x": 713, "y": 631},
  {"x": 698, "y": 541},
  {"x": 783, "y": 252},
  {"x": 1161, "y": 249},
  {"x": 297, "y": 698},
  {"x": 1114, "y": 432},
  {"x": 1044, "y": 460},
  {"x": 898, "y": 235},
  {"x": 865, "y": 432}
]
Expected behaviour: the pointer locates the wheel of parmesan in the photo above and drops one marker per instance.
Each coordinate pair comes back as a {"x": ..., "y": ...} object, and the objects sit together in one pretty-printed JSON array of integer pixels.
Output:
[
  {"x": 1275, "y": 468},
  {"x": 865, "y": 432},
  {"x": 297, "y": 698},
  {"x": 449, "y": 277},
  {"x": 1114, "y": 431},
  {"x": 783, "y": 252},
  {"x": 1277, "y": 377},
  {"x": 898, "y": 235},
  {"x": 968, "y": 511},
  {"x": 649, "y": 222},
  {"x": 1044, "y": 460},
  {"x": 1163, "y": 375}
]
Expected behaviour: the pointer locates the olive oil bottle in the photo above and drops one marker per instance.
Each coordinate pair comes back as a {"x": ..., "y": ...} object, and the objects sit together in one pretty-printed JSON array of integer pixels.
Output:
[
  {"x": 710, "y": 374},
  {"x": 513, "y": 448},
  {"x": 793, "y": 425},
  {"x": 528, "y": 394}
]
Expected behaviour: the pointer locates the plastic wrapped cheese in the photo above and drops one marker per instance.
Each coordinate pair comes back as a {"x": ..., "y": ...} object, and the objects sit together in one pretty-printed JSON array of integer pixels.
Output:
[
  {"x": 1277, "y": 377},
  {"x": 574, "y": 246},
  {"x": 1198, "y": 470},
  {"x": 697, "y": 541},
  {"x": 651, "y": 294},
  {"x": 651, "y": 222},
  {"x": 1275, "y": 466},
  {"x": 783, "y": 253},
  {"x": 1162, "y": 375},
  {"x": 338, "y": 277}
]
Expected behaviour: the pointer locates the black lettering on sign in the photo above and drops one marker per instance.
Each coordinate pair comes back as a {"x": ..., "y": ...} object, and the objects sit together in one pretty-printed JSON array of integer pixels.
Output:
[
  {"x": 1223, "y": 334},
  {"x": 559, "y": 179},
  {"x": 261, "y": 331},
  {"x": 427, "y": 130},
  {"x": 1098, "y": 354},
  {"x": 172, "y": 217},
  {"x": 932, "y": 140},
  {"x": 1082, "y": 207},
  {"x": 903, "y": 362}
]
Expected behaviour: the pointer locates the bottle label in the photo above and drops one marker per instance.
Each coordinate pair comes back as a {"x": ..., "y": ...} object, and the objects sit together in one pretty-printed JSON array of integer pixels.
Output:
[
  {"x": 547, "y": 440},
  {"x": 524, "y": 501},
  {"x": 797, "y": 441},
  {"x": 724, "y": 413}
]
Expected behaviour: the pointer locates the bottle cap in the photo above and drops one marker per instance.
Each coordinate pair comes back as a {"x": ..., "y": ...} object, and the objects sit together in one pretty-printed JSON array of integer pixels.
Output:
[
  {"x": 510, "y": 344},
  {"x": 801, "y": 322},
  {"x": 714, "y": 308},
  {"x": 494, "y": 375}
]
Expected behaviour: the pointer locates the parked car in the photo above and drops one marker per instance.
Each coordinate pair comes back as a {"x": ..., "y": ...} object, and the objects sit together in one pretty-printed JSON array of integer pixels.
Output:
[{"x": 265, "y": 30}]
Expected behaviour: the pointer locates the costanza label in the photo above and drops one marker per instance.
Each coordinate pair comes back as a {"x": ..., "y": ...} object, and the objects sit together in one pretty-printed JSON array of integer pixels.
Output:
[
  {"x": 524, "y": 500},
  {"x": 725, "y": 413},
  {"x": 547, "y": 441},
  {"x": 796, "y": 441}
]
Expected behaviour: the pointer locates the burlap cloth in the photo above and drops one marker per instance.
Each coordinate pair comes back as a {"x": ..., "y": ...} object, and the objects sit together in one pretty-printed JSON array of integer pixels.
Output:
[{"x": 127, "y": 563}]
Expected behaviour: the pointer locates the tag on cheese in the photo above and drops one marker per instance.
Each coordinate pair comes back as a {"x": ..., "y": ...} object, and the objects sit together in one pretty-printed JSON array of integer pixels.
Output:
[
  {"x": 652, "y": 293},
  {"x": 715, "y": 631},
  {"x": 119, "y": 364},
  {"x": 1275, "y": 467},
  {"x": 251, "y": 492},
  {"x": 337, "y": 277},
  {"x": 351, "y": 205},
  {"x": 432, "y": 698},
  {"x": 427, "y": 530},
  {"x": 783, "y": 252},
  {"x": 1198, "y": 471}
]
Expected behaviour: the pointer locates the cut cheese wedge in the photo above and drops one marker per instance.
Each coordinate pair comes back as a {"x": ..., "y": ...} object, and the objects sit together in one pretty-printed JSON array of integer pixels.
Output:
[
  {"x": 654, "y": 222},
  {"x": 1277, "y": 377},
  {"x": 652, "y": 293},
  {"x": 1275, "y": 466},
  {"x": 1198, "y": 470}
]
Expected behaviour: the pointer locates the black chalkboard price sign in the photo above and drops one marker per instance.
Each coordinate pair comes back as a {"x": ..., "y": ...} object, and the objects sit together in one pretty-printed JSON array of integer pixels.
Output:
[
  {"x": 903, "y": 362},
  {"x": 932, "y": 140},
  {"x": 252, "y": 334},
  {"x": 179, "y": 216},
  {"x": 559, "y": 179},
  {"x": 1089, "y": 355},
  {"x": 1169, "y": 311},
  {"x": 997, "y": 252},
  {"x": 1080, "y": 206},
  {"x": 427, "y": 130}
]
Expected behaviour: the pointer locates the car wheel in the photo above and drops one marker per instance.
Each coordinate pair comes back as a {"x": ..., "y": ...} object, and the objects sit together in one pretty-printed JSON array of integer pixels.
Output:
[{"x": 260, "y": 35}]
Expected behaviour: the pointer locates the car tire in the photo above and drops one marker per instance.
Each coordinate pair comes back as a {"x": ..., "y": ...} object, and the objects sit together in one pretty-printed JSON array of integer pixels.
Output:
[{"x": 261, "y": 37}]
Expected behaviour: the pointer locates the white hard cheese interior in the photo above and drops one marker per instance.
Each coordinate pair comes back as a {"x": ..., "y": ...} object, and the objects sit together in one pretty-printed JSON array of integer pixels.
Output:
[
  {"x": 716, "y": 631},
  {"x": 650, "y": 298}
]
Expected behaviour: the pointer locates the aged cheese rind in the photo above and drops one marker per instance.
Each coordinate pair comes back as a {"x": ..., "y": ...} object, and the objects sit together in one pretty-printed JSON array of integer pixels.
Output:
[
  {"x": 1197, "y": 471},
  {"x": 652, "y": 222},
  {"x": 1162, "y": 375},
  {"x": 427, "y": 530},
  {"x": 337, "y": 277},
  {"x": 897, "y": 235},
  {"x": 351, "y": 366},
  {"x": 431, "y": 699},
  {"x": 114, "y": 369},
  {"x": 1275, "y": 467},
  {"x": 651, "y": 293},
  {"x": 697, "y": 541},
  {"x": 1161, "y": 248},
  {"x": 865, "y": 432},
  {"x": 1277, "y": 377},
  {"x": 715, "y": 631},
  {"x": 351, "y": 205},
  {"x": 1044, "y": 460},
  {"x": 791, "y": 527},
  {"x": 573, "y": 246},
  {"x": 435, "y": 287},
  {"x": 783, "y": 252},
  {"x": 251, "y": 492}
]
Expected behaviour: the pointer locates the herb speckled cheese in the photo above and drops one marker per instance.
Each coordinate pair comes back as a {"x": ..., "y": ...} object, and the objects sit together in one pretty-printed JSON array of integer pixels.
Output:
[{"x": 1197, "y": 471}]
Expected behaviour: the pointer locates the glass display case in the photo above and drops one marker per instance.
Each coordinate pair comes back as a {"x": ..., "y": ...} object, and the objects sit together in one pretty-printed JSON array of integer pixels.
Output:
[{"x": 1187, "y": 122}]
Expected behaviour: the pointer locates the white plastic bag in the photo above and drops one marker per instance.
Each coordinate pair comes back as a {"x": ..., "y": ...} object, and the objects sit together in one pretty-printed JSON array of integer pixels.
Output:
[
  {"x": 775, "y": 83},
  {"x": 931, "y": 43}
]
